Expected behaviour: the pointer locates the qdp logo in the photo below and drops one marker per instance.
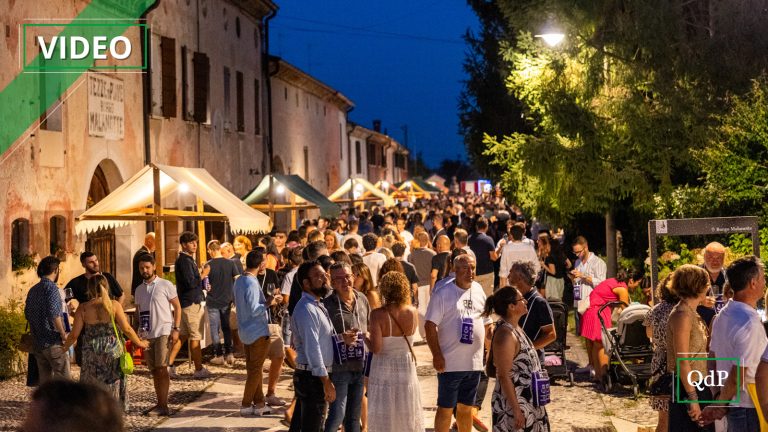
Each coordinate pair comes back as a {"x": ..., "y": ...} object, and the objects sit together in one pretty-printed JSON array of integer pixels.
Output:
[
  {"x": 701, "y": 381},
  {"x": 80, "y": 44}
]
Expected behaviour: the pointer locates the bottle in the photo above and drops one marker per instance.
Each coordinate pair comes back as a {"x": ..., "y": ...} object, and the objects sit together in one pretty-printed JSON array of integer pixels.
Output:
[{"x": 207, "y": 284}]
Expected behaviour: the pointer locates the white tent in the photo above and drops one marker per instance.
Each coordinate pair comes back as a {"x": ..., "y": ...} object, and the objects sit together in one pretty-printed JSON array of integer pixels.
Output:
[
  {"x": 361, "y": 185},
  {"x": 133, "y": 201}
]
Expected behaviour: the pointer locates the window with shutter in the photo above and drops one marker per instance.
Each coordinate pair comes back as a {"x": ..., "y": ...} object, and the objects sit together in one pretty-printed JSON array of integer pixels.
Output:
[
  {"x": 227, "y": 99},
  {"x": 256, "y": 108},
  {"x": 240, "y": 102},
  {"x": 186, "y": 112},
  {"x": 202, "y": 72},
  {"x": 168, "y": 68}
]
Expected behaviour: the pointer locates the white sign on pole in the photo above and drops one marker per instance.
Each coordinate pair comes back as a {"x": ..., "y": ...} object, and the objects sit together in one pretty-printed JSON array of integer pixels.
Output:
[{"x": 105, "y": 107}]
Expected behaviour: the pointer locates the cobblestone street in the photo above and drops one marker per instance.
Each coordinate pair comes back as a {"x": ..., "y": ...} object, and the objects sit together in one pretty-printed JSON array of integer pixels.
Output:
[{"x": 211, "y": 405}]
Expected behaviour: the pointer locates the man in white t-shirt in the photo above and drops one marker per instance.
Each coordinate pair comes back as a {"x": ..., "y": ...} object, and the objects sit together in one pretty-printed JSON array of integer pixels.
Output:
[
  {"x": 159, "y": 324},
  {"x": 456, "y": 334},
  {"x": 374, "y": 260},
  {"x": 737, "y": 332},
  {"x": 761, "y": 382},
  {"x": 404, "y": 234}
]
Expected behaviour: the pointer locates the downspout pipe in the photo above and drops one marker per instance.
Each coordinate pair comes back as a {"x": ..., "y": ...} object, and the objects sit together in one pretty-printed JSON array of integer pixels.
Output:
[
  {"x": 146, "y": 81},
  {"x": 268, "y": 87}
]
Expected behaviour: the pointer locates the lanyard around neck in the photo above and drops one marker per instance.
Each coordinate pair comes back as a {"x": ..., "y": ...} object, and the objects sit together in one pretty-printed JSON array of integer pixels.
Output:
[{"x": 354, "y": 313}]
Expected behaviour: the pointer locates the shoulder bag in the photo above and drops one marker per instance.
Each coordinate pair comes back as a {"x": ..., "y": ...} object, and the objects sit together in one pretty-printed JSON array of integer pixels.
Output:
[
  {"x": 126, "y": 361},
  {"x": 27, "y": 341},
  {"x": 405, "y": 338}
]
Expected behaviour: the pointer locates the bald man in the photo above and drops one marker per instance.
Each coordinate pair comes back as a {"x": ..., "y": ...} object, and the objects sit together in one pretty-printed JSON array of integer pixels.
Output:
[
  {"x": 439, "y": 261},
  {"x": 714, "y": 256},
  {"x": 148, "y": 248}
]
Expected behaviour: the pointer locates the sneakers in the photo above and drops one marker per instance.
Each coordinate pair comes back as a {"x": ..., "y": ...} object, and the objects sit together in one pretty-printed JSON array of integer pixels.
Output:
[
  {"x": 217, "y": 361},
  {"x": 203, "y": 373},
  {"x": 254, "y": 411},
  {"x": 230, "y": 360},
  {"x": 274, "y": 401},
  {"x": 172, "y": 372}
]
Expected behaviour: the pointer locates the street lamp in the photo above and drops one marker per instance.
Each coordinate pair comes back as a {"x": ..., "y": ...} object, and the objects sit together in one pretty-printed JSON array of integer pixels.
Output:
[
  {"x": 385, "y": 185},
  {"x": 280, "y": 189},
  {"x": 551, "y": 38},
  {"x": 183, "y": 187}
]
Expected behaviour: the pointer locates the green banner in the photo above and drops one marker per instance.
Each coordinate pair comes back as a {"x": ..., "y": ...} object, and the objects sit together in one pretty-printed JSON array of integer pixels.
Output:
[{"x": 43, "y": 80}]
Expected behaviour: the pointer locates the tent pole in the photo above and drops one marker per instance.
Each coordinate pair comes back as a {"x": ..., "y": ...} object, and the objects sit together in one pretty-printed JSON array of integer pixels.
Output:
[
  {"x": 159, "y": 228},
  {"x": 293, "y": 211},
  {"x": 201, "y": 243},
  {"x": 352, "y": 192},
  {"x": 271, "y": 199}
]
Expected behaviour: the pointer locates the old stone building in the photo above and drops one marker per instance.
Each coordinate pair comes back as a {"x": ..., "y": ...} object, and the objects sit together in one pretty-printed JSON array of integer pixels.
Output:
[{"x": 206, "y": 110}]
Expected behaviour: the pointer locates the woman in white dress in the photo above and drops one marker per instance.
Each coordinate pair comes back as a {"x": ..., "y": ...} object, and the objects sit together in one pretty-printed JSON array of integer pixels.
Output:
[{"x": 394, "y": 396}]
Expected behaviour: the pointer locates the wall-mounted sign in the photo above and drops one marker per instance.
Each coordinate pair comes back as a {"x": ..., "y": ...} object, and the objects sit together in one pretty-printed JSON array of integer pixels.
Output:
[{"x": 106, "y": 101}]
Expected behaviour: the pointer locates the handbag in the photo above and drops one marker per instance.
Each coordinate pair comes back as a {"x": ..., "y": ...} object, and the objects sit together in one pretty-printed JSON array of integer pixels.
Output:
[
  {"x": 126, "y": 360},
  {"x": 661, "y": 384},
  {"x": 404, "y": 337},
  {"x": 27, "y": 341}
]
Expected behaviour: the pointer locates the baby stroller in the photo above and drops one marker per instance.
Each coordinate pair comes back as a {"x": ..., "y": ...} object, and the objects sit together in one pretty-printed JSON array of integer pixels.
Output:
[
  {"x": 557, "y": 348},
  {"x": 628, "y": 348}
]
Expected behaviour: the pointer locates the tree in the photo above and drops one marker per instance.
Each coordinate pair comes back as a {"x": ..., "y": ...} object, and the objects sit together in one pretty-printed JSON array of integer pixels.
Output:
[
  {"x": 621, "y": 111},
  {"x": 485, "y": 104}
]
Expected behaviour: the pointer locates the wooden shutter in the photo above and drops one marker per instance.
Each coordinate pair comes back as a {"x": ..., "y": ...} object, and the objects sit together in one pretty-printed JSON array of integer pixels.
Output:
[
  {"x": 240, "y": 107},
  {"x": 256, "y": 107},
  {"x": 184, "y": 84},
  {"x": 168, "y": 66},
  {"x": 202, "y": 72}
]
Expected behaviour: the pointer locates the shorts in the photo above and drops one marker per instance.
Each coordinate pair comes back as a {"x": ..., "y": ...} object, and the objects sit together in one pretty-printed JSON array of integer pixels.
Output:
[
  {"x": 157, "y": 354},
  {"x": 276, "y": 345},
  {"x": 458, "y": 387},
  {"x": 192, "y": 321}
]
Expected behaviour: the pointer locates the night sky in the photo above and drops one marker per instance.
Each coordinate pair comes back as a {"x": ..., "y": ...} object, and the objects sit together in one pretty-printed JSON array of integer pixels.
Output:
[{"x": 399, "y": 61}]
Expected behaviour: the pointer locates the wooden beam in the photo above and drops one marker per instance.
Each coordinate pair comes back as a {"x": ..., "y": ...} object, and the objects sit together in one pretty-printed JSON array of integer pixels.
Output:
[
  {"x": 157, "y": 210},
  {"x": 201, "y": 242}
]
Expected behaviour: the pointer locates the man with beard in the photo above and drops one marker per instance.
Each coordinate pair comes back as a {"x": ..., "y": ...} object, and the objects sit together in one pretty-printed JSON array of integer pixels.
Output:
[
  {"x": 714, "y": 254},
  {"x": 147, "y": 248},
  {"x": 79, "y": 287},
  {"x": 43, "y": 313},
  {"x": 159, "y": 319},
  {"x": 312, "y": 337}
]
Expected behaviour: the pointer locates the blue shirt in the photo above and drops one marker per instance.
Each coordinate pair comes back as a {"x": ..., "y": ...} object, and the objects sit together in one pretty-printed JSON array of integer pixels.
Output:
[
  {"x": 252, "y": 318},
  {"x": 42, "y": 307},
  {"x": 312, "y": 334}
]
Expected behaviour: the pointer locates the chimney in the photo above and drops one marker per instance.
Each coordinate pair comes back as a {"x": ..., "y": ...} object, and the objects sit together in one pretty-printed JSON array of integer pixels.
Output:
[{"x": 377, "y": 125}]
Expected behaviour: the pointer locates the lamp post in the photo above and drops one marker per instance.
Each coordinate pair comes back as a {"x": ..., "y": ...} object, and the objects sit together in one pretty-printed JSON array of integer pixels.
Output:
[{"x": 551, "y": 38}]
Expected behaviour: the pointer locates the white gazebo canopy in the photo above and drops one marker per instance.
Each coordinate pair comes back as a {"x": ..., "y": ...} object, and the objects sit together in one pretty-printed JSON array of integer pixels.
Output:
[
  {"x": 361, "y": 186},
  {"x": 135, "y": 201}
]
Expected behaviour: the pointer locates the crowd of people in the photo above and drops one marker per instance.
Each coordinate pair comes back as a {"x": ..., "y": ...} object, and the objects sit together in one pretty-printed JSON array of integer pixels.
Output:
[{"x": 343, "y": 300}]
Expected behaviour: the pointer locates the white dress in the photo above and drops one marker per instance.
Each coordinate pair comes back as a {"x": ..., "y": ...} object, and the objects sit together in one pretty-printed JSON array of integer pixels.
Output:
[{"x": 394, "y": 395}]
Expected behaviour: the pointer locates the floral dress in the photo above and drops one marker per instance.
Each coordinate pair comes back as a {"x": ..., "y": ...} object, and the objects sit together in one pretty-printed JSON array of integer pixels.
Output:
[
  {"x": 536, "y": 419},
  {"x": 657, "y": 319},
  {"x": 101, "y": 360}
]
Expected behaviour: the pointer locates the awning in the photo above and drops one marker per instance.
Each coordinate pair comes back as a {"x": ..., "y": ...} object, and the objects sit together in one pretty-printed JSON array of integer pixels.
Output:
[
  {"x": 361, "y": 185},
  {"x": 419, "y": 184},
  {"x": 297, "y": 186},
  {"x": 133, "y": 200}
]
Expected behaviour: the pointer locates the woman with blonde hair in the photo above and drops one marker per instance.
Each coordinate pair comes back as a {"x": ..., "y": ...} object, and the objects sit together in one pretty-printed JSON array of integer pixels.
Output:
[
  {"x": 687, "y": 338},
  {"x": 364, "y": 284},
  {"x": 99, "y": 319},
  {"x": 242, "y": 246},
  {"x": 393, "y": 386}
]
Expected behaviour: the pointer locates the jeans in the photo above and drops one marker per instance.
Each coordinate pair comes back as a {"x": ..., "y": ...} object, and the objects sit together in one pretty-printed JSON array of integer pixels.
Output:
[
  {"x": 309, "y": 415},
  {"x": 219, "y": 319},
  {"x": 52, "y": 362},
  {"x": 743, "y": 419},
  {"x": 255, "y": 354},
  {"x": 348, "y": 403}
]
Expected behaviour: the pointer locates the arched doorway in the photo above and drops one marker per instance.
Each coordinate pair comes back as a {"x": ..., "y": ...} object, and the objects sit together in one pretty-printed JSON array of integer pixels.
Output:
[{"x": 101, "y": 242}]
